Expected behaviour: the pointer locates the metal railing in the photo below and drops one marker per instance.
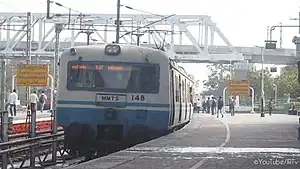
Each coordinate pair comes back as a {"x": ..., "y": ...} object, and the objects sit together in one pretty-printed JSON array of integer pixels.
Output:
[
  {"x": 22, "y": 150},
  {"x": 31, "y": 145}
]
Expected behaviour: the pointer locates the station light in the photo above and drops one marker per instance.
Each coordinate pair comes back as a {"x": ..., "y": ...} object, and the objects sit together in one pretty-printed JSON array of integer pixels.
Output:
[{"x": 112, "y": 49}]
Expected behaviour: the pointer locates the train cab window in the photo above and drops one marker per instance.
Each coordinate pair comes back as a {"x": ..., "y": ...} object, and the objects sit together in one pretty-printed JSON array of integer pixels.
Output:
[
  {"x": 113, "y": 77},
  {"x": 146, "y": 79}
]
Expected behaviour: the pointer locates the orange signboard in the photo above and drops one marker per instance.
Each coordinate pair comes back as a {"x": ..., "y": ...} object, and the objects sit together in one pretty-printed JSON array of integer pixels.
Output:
[
  {"x": 239, "y": 88},
  {"x": 32, "y": 74}
]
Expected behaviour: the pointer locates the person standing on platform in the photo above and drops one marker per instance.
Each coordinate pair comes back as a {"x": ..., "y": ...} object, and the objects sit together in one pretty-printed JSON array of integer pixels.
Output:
[
  {"x": 198, "y": 104},
  {"x": 203, "y": 106},
  {"x": 33, "y": 98},
  {"x": 208, "y": 105},
  {"x": 231, "y": 106},
  {"x": 213, "y": 105},
  {"x": 220, "y": 107},
  {"x": 42, "y": 100},
  {"x": 12, "y": 99},
  {"x": 270, "y": 106}
]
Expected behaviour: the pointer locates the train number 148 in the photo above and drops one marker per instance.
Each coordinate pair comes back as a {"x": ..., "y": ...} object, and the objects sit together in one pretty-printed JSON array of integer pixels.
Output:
[{"x": 138, "y": 97}]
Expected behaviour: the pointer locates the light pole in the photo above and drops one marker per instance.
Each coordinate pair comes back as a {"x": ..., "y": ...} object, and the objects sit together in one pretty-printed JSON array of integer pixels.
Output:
[
  {"x": 275, "y": 89},
  {"x": 262, "y": 114}
]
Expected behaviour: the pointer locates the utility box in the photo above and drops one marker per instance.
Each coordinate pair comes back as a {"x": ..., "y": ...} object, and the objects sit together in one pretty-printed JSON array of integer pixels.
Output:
[{"x": 270, "y": 45}]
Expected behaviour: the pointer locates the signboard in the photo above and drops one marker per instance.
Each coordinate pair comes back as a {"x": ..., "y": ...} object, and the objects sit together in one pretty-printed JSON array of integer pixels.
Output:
[
  {"x": 243, "y": 66},
  {"x": 32, "y": 75},
  {"x": 239, "y": 88}
]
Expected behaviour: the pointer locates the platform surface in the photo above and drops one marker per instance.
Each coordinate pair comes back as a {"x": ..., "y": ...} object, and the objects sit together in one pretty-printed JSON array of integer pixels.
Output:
[
  {"x": 243, "y": 141},
  {"x": 21, "y": 116}
]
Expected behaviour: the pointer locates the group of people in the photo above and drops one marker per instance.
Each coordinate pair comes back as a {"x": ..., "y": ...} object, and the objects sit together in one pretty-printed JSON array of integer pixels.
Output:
[
  {"x": 33, "y": 101},
  {"x": 214, "y": 106}
]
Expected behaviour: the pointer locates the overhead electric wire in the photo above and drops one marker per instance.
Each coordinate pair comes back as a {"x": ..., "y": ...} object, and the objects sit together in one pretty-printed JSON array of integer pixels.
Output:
[
  {"x": 151, "y": 32},
  {"x": 139, "y": 10},
  {"x": 13, "y": 8},
  {"x": 147, "y": 25},
  {"x": 63, "y": 6}
]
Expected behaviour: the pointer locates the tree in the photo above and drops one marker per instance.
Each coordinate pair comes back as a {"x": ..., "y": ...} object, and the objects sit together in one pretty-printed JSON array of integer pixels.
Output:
[
  {"x": 196, "y": 83},
  {"x": 217, "y": 75},
  {"x": 255, "y": 80},
  {"x": 288, "y": 82}
]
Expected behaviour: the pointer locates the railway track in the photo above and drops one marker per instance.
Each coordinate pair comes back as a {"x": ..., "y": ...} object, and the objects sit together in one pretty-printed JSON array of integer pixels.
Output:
[
  {"x": 20, "y": 148},
  {"x": 23, "y": 152}
]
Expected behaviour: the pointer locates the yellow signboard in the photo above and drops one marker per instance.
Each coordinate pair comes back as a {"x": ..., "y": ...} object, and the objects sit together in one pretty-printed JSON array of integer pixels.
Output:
[
  {"x": 239, "y": 88},
  {"x": 32, "y": 75}
]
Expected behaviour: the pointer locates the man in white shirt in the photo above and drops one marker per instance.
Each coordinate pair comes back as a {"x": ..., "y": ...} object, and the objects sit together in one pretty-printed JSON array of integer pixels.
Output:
[
  {"x": 12, "y": 99},
  {"x": 42, "y": 100},
  {"x": 33, "y": 98},
  {"x": 198, "y": 103}
]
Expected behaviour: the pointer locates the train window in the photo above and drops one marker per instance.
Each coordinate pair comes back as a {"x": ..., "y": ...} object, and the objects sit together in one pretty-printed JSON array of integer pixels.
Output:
[
  {"x": 114, "y": 77},
  {"x": 183, "y": 91},
  {"x": 186, "y": 92},
  {"x": 176, "y": 89}
]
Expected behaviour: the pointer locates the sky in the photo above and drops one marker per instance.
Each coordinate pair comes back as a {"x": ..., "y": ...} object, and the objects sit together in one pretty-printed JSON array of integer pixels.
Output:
[{"x": 243, "y": 22}]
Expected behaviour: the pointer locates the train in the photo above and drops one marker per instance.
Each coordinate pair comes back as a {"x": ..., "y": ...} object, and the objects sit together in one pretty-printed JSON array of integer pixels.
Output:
[{"x": 118, "y": 94}]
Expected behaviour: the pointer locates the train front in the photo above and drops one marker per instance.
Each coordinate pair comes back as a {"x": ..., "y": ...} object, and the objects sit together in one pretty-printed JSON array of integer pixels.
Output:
[{"x": 106, "y": 95}]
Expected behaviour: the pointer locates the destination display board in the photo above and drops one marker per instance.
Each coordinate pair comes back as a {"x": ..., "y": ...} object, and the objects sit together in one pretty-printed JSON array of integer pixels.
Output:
[{"x": 102, "y": 67}]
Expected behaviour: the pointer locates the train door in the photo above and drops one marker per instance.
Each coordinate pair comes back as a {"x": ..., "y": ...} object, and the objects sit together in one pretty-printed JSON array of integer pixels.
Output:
[
  {"x": 180, "y": 98},
  {"x": 191, "y": 101},
  {"x": 186, "y": 99},
  {"x": 172, "y": 94}
]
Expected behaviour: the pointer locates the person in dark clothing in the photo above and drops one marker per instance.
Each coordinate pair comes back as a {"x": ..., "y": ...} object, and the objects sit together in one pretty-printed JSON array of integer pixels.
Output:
[
  {"x": 213, "y": 106},
  {"x": 203, "y": 106},
  {"x": 270, "y": 106},
  {"x": 220, "y": 107},
  {"x": 195, "y": 107},
  {"x": 208, "y": 105}
]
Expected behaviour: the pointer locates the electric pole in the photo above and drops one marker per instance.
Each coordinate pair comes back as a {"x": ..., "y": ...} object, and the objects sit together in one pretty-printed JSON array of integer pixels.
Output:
[
  {"x": 4, "y": 114},
  {"x": 118, "y": 21},
  {"x": 28, "y": 48},
  {"x": 48, "y": 9}
]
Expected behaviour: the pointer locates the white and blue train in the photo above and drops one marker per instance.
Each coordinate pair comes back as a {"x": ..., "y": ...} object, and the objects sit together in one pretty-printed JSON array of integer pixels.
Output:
[{"x": 120, "y": 93}]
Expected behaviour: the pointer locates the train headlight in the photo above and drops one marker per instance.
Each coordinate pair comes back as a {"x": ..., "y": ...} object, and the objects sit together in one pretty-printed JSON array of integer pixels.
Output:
[
  {"x": 112, "y": 49},
  {"x": 73, "y": 51}
]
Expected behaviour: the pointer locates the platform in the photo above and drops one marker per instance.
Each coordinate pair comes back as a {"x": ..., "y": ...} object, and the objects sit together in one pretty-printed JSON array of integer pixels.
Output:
[
  {"x": 21, "y": 116},
  {"x": 43, "y": 121},
  {"x": 243, "y": 141}
]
